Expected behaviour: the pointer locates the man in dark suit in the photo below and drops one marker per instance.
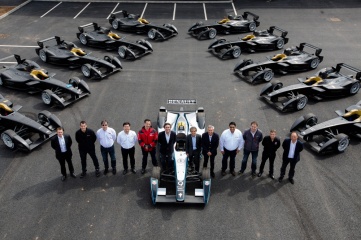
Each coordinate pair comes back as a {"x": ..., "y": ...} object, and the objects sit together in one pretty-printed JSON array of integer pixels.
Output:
[
  {"x": 166, "y": 140},
  {"x": 210, "y": 142},
  {"x": 291, "y": 155},
  {"x": 62, "y": 146},
  {"x": 193, "y": 148}
]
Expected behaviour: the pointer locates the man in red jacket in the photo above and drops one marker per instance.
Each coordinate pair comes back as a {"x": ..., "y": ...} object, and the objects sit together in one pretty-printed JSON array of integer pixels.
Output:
[{"x": 147, "y": 138}]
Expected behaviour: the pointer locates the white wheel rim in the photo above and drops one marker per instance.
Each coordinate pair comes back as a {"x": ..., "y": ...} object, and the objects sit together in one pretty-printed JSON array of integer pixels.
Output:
[
  {"x": 121, "y": 52},
  {"x": 115, "y": 24},
  {"x": 301, "y": 103},
  {"x": 354, "y": 88},
  {"x": 7, "y": 140},
  {"x": 151, "y": 34},
  {"x": 85, "y": 70},
  {"x": 280, "y": 44},
  {"x": 236, "y": 53},
  {"x": 212, "y": 34},
  {"x": 42, "y": 55},
  {"x": 252, "y": 26},
  {"x": 268, "y": 76},
  {"x": 46, "y": 98},
  {"x": 314, "y": 63},
  {"x": 342, "y": 145},
  {"x": 83, "y": 39}
]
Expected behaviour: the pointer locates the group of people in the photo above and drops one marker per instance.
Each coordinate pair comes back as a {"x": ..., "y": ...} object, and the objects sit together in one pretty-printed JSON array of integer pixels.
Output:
[{"x": 230, "y": 143}]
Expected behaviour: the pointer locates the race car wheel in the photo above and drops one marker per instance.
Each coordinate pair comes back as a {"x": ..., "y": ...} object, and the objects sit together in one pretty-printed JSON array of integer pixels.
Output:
[
  {"x": 156, "y": 173},
  {"x": 206, "y": 173},
  {"x": 236, "y": 52},
  {"x": 86, "y": 70},
  {"x": 115, "y": 24},
  {"x": 355, "y": 88},
  {"x": 310, "y": 119},
  {"x": 152, "y": 34},
  {"x": 83, "y": 39},
  {"x": 44, "y": 118},
  {"x": 280, "y": 43},
  {"x": 74, "y": 82},
  {"x": 252, "y": 26},
  {"x": 212, "y": 33},
  {"x": 343, "y": 142},
  {"x": 268, "y": 75},
  {"x": 301, "y": 102},
  {"x": 42, "y": 55},
  {"x": 8, "y": 138},
  {"x": 314, "y": 63},
  {"x": 46, "y": 97},
  {"x": 122, "y": 52}
]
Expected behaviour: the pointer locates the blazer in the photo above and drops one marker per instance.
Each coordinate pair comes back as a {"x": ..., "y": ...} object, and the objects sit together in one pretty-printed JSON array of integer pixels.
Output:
[
  {"x": 56, "y": 146},
  {"x": 286, "y": 147},
  {"x": 210, "y": 146},
  {"x": 164, "y": 147},
  {"x": 189, "y": 144}
]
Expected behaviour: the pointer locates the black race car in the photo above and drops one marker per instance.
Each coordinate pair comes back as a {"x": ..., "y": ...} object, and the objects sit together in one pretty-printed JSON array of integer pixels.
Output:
[
  {"x": 27, "y": 75},
  {"x": 21, "y": 132},
  {"x": 104, "y": 38},
  {"x": 260, "y": 40},
  {"x": 294, "y": 59},
  {"x": 67, "y": 53},
  {"x": 332, "y": 135},
  {"x": 228, "y": 25},
  {"x": 134, "y": 23},
  {"x": 327, "y": 83}
]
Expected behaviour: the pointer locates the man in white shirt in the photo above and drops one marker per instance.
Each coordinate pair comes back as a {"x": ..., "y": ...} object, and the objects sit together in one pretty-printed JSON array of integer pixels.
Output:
[
  {"x": 107, "y": 136},
  {"x": 127, "y": 140},
  {"x": 230, "y": 143}
]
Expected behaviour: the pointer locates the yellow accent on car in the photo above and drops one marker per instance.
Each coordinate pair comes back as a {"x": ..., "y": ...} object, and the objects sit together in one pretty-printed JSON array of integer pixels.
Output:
[
  {"x": 248, "y": 37},
  {"x": 143, "y": 21},
  {"x": 5, "y": 109},
  {"x": 279, "y": 57},
  {"x": 78, "y": 52},
  {"x": 38, "y": 74},
  {"x": 314, "y": 80},
  {"x": 224, "y": 20},
  {"x": 353, "y": 112},
  {"x": 113, "y": 36}
]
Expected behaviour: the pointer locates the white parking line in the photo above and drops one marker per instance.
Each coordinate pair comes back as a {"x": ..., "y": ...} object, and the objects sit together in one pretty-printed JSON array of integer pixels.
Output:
[
  {"x": 82, "y": 10},
  {"x": 50, "y": 10},
  {"x": 175, "y": 7},
  {"x": 113, "y": 10},
  {"x": 18, "y": 46},
  {"x": 7, "y": 62},
  {"x": 145, "y": 7},
  {"x": 11, "y": 56},
  {"x": 234, "y": 9},
  {"x": 205, "y": 12}
]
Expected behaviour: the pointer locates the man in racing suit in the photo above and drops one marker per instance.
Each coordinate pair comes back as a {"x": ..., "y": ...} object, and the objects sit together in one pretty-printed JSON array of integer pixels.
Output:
[{"x": 147, "y": 138}]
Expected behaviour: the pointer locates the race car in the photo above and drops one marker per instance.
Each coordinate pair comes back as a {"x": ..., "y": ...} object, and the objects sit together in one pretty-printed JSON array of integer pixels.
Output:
[
  {"x": 294, "y": 59},
  {"x": 28, "y": 76},
  {"x": 21, "y": 132},
  {"x": 332, "y": 135},
  {"x": 104, "y": 38},
  {"x": 181, "y": 121},
  {"x": 332, "y": 82},
  {"x": 68, "y": 54},
  {"x": 228, "y": 25},
  {"x": 260, "y": 40},
  {"x": 134, "y": 23}
]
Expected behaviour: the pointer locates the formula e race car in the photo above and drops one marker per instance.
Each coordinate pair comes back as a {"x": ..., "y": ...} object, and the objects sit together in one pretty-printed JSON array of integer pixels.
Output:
[
  {"x": 294, "y": 59},
  {"x": 181, "y": 175},
  {"x": 327, "y": 83},
  {"x": 104, "y": 38},
  {"x": 21, "y": 132},
  {"x": 134, "y": 23},
  {"x": 332, "y": 135},
  {"x": 260, "y": 40},
  {"x": 27, "y": 75},
  {"x": 228, "y": 25},
  {"x": 67, "y": 53}
]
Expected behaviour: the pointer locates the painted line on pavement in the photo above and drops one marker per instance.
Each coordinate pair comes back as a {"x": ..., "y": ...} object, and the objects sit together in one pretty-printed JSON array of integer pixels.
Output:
[
  {"x": 82, "y": 10},
  {"x": 50, "y": 10},
  {"x": 113, "y": 10}
]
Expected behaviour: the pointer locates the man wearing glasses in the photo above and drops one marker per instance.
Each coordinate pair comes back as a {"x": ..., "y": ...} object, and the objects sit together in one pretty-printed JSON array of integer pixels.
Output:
[
  {"x": 193, "y": 148},
  {"x": 231, "y": 142},
  {"x": 106, "y": 136}
]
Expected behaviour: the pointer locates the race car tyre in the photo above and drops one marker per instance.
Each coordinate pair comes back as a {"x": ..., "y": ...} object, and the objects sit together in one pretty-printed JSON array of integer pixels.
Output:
[
  {"x": 122, "y": 51},
  {"x": 355, "y": 88},
  {"x": 268, "y": 75},
  {"x": 343, "y": 142},
  {"x": 236, "y": 52},
  {"x": 1, "y": 82},
  {"x": 314, "y": 63},
  {"x": 115, "y": 24},
  {"x": 8, "y": 138},
  {"x": 280, "y": 43},
  {"x": 46, "y": 97},
  {"x": 86, "y": 70},
  {"x": 212, "y": 33},
  {"x": 276, "y": 85},
  {"x": 44, "y": 118},
  {"x": 83, "y": 39},
  {"x": 310, "y": 119},
  {"x": 301, "y": 102},
  {"x": 74, "y": 82},
  {"x": 206, "y": 173},
  {"x": 156, "y": 173},
  {"x": 152, "y": 34},
  {"x": 42, "y": 55},
  {"x": 252, "y": 26}
]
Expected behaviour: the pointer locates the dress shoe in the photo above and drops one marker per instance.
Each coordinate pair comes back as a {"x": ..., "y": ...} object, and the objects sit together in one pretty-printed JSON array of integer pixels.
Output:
[
  {"x": 97, "y": 172},
  {"x": 280, "y": 179},
  {"x": 271, "y": 176},
  {"x": 291, "y": 180},
  {"x": 233, "y": 173},
  {"x": 82, "y": 174},
  {"x": 106, "y": 171},
  {"x": 63, "y": 178},
  {"x": 213, "y": 175},
  {"x": 259, "y": 174},
  {"x": 224, "y": 173},
  {"x": 240, "y": 172},
  {"x": 72, "y": 175},
  {"x": 133, "y": 171},
  {"x": 125, "y": 172},
  {"x": 114, "y": 171},
  {"x": 143, "y": 171},
  {"x": 254, "y": 174}
]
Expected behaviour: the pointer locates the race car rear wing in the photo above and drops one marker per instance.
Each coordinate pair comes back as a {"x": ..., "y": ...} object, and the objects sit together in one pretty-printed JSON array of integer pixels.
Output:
[
  {"x": 245, "y": 15},
  {"x": 57, "y": 39},
  {"x": 317, "y": 50},
  {"x": 353, "y": 69},
  {"x": 283, "y": 32},
  {"x": 94, "y": 25}
]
